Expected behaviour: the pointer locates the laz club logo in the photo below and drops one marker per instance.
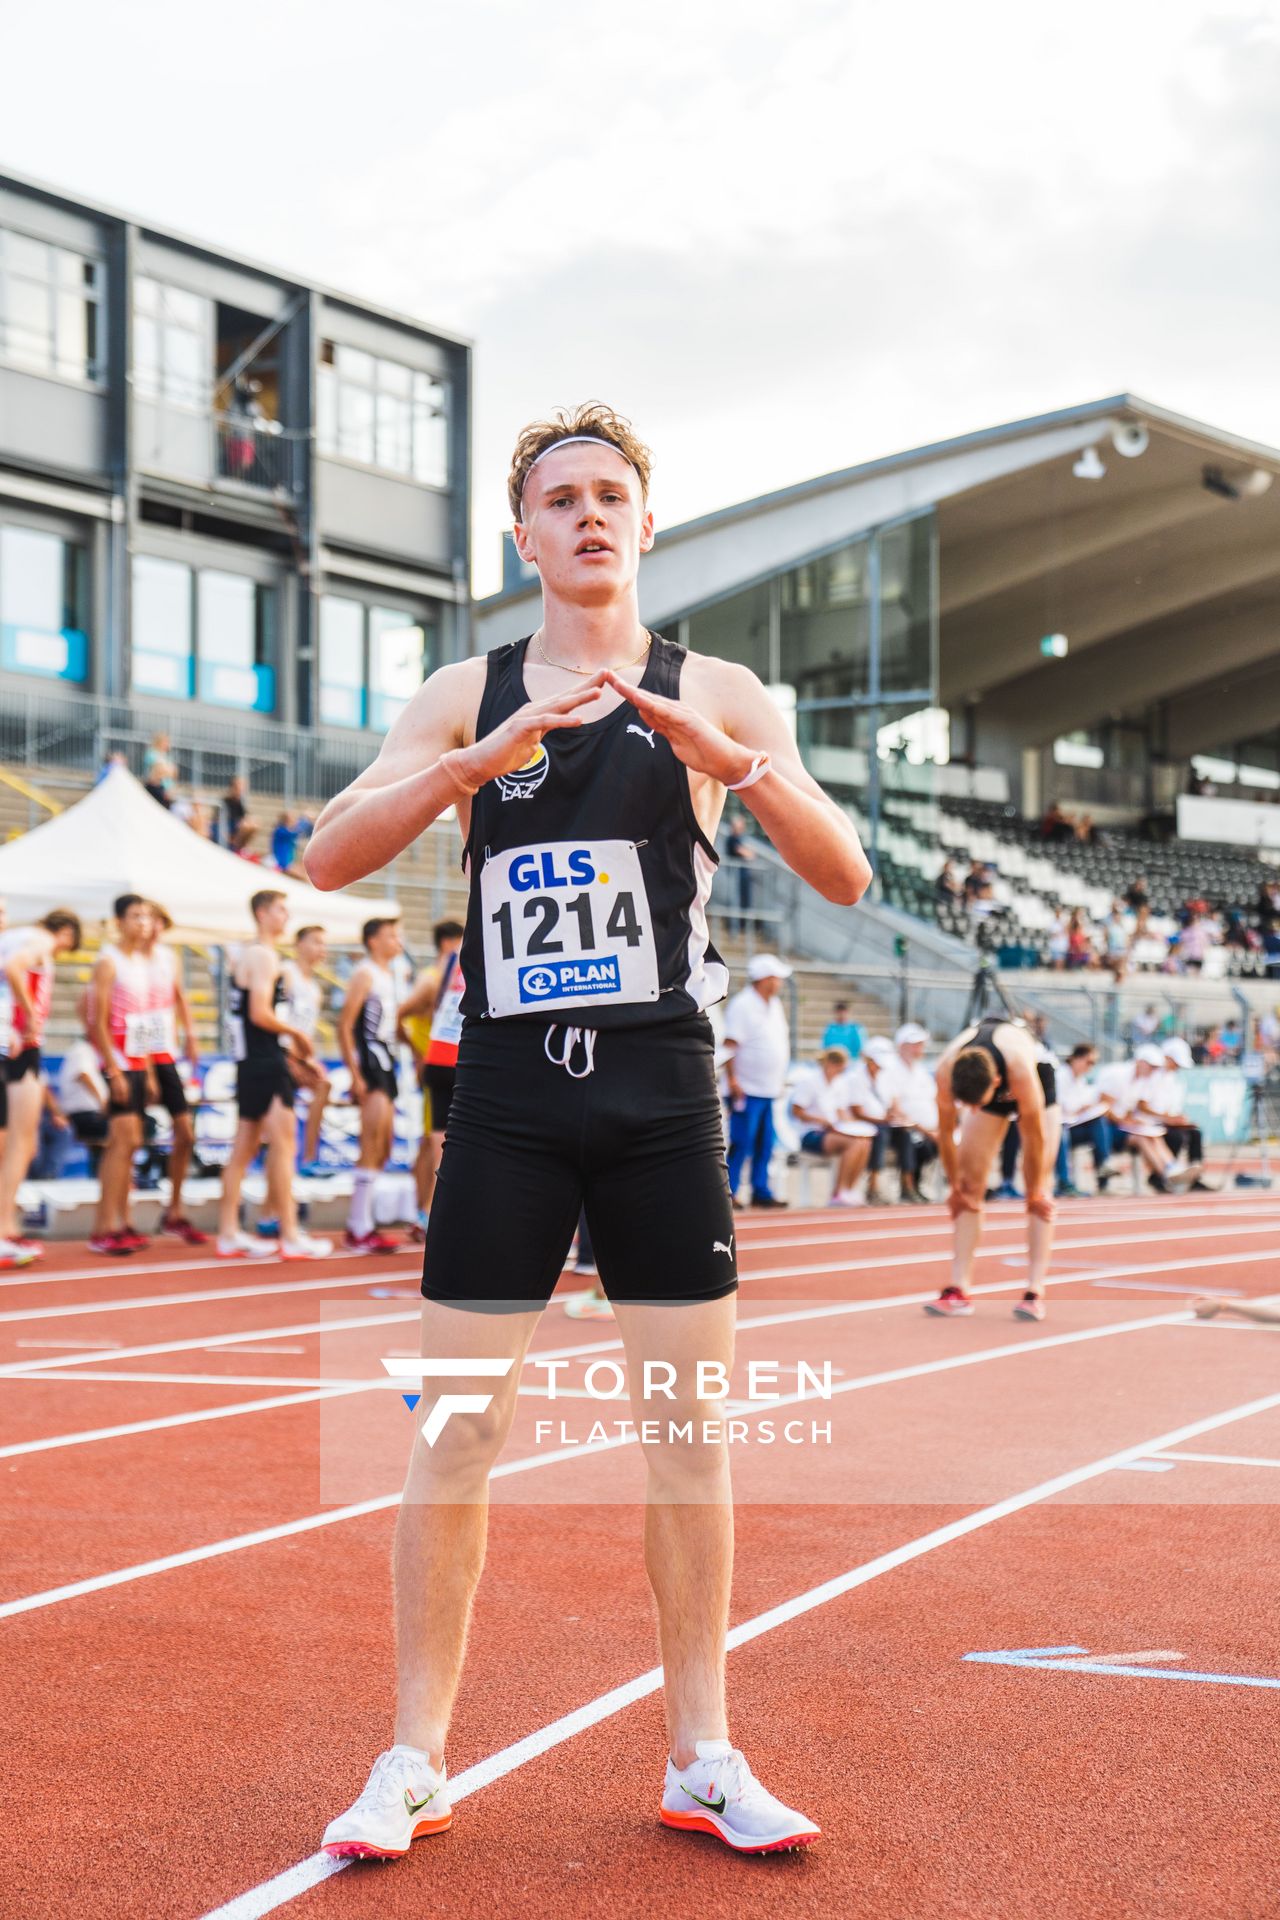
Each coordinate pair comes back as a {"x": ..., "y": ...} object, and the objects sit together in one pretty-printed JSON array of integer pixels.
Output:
[{"x": 525, "y": 781}]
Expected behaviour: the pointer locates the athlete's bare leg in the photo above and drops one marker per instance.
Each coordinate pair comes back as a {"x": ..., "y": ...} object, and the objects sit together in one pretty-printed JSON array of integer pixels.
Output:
[
  {"x": 853, "y": 1159},
  {"x": 980, "y": 1138},
  {"x": 244, "y": 1147},
  {"x": 688, "y": 1533},
  {"x": 319, "y": 1088},
  {"x": 1265, "y": 1311},
  {"x": 377, "y": 1118},
  {"x": 1040, "y": 1232},
  {"x": 26, "y": 1099},
  {"x": 443, "y": 1519},
  {"x": 184, "y": 1135},
  {"x": 280, "y": 1133},
  {"x": 115, "y": 1171}
]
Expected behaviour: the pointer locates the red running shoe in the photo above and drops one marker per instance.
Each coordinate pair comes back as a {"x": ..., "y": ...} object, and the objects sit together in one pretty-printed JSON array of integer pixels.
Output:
[
  {"x": 175, "y": 1224},
  {"x": 135, "y": 1241},
  {"x": 374, "y": 1242},
  {"x": 1030, "y": 1307},
  {"x": 113, "y": 1243},
  {"x": 950, "y": 1304}
]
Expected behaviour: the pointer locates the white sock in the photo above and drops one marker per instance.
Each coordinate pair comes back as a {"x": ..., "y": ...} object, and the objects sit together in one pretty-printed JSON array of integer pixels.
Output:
[{"x": 360, "y": 1219}]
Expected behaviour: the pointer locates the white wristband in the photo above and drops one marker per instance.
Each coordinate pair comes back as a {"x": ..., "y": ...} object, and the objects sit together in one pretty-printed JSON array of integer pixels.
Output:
[{"x": 757, "y": 771}]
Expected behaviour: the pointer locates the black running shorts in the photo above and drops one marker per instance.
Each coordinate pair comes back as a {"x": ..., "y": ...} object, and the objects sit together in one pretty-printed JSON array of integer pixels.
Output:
[
  {"x": 377, "y": 1073},
  {"x": 439, "y": 1083},
  {"x": 259, "y": 1082},
  {"x": 19, "y": 1065},
  {"x": 638, "y": 1141},
  {"x": 170, "y": 1092}
]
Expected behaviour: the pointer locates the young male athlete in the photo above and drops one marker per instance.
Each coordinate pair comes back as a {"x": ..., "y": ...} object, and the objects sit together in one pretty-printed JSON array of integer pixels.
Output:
[
  {"x": 264, "y": 1092},
  {"x": 439, "y": 994},
  {"x": 27, "y": 956},
  {"x": 589, "y": 766},
  {"x": 995, "y": 1070},
  {"x": 169, "y": 1009},
  {"x": 124, "y": 1031},
  {"x": 303, "y": 998},
  {"x": 367, "y": 1040}
]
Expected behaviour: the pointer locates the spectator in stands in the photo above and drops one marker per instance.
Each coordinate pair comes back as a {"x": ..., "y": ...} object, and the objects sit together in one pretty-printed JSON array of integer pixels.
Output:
[
  {"x": 820, "y": 1109},
  {"x": 910, "y": 1097},
  {"x": 235, "y": 812},
  {"x": 1059, "y": 940},
  {"x": 947, "y": 888},
  {"x": 863, "y": 1102},
  {"x": 1085, "y": 1118},
  {"x": 983, "y": 902},
  {"x": 1137, "y": 893},
  {"x": 757, "y": 1041},
  {"x": 110, "y": 760},
  {"x": 978, "y": 876},
  {"x": 1142, "y": 1027},
  {"x": 739, "y": 849},
  {"x": 841, "y": 1031},
  {"x": 1198, "y": 935},
  {"x": 284, "y": 842},
  {"x": 1269, "y": 1036},
  {"x": 1271, "y": 949},
  {"x": 1232, "y": 1039},
  {"x": 1268, "y": 903},
  {"x": 1117, "y": 932},
  {"x": 1085, "y": 831},
  {"x": 1057, "y": 825},
  {"x": 198, "y": 819},
  {"x": 1080, "y": 951},
  {"x": 158, "y": 770}
]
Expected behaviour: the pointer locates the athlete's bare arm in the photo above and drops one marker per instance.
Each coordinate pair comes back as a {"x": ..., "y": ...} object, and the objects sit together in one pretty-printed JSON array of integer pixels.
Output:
[
  {"x": 104, "y": 979},
  {"x": 723, "y": 718},
  {"x": 353, "y": 1000},
  {"x": 421, "y": 998},
  {"x": 32, "y": 956},
  {"x": 430, "y": 760},
  {"x": 261, "y": 969},
  {"x": 182, "y": 1007}
]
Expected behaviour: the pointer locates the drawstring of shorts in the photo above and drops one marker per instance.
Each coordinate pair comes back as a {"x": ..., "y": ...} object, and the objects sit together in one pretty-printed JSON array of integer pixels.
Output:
[{"x": 572, "y": 1035}]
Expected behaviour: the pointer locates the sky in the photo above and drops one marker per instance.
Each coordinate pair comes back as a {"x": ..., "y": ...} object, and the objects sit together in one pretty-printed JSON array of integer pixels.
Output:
[{"x": 781, "y": 240}]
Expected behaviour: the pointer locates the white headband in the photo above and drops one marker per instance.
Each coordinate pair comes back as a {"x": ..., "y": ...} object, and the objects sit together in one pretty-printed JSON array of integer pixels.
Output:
[{"x": 573, "y": 440}]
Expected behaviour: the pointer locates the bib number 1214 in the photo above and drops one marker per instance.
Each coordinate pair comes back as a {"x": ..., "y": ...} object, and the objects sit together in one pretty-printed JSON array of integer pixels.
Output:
[{"x": 620, "y": 923}]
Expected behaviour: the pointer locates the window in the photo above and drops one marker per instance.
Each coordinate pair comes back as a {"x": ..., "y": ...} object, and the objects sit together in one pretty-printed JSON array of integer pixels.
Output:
[
  {"x": 372, "y": 660},
  {"x": 43, "y": 583},
  {"x": 906, "y": 606},
  {"x": 736, "y": 629},
  {"x": 162, "y": 627},
  {"x": 826, "y": 625},
  {"x": 382, "y": 414},
  {"x": 341, "y": 662},
  {"x": 51, "y": 309},
  {"x": 203, "y": 630},
  {"x": 172, "y": 354}
]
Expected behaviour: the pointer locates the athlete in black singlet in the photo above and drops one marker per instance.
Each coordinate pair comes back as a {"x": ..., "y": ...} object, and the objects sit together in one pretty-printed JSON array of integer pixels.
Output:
[
  {"x": 994, "y": 1071},
  {"x": 589, "y": 765}
]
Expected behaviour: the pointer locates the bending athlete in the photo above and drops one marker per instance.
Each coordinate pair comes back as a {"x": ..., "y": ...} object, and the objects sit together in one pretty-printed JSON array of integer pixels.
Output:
[
  {"x": 589, "y": 765},
  {"x": 994, "y": 1071}
]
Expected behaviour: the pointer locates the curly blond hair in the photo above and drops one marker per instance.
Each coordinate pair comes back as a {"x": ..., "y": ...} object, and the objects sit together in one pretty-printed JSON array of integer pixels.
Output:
[{"x": 601, "y": 422}]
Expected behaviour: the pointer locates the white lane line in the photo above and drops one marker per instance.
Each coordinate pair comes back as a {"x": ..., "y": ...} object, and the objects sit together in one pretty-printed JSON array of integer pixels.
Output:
[
  {"x": 1010, "y": 1223},
  {"x": 1155, "y": 1286},
  {"x": 241, "y": 1348},
  {"x": 872, "y": 1304},
  {"x": 1220, "y": 1459},
  {"x": 141, "y": 1379},
  {"x": 790, "y": 1272},
  {"x": 414, "y": 1369},
  {"x": 32, "y": 1277},
  {"x": 103, "y": 1346},
  {"x": 283, "y": 1887},
  {"x": 179, "y": 1420}
]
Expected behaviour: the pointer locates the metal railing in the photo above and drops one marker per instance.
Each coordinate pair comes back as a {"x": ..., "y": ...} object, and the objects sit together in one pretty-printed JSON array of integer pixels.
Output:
[{"x": 256, "y": 453}]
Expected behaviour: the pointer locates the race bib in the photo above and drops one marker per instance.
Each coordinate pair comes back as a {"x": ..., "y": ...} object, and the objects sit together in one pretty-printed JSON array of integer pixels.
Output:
[
  {"x": 567, "y": 925},
  {"x": 147, "y": 1033}
]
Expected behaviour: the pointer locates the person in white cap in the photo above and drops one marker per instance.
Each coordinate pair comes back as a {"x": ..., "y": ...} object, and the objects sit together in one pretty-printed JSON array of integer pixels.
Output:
[
  {"x": 994, "y": 1071},
  {"x": 907, "y": 1090},
  {"x": 1135, "y": 1097},
  {"x": 1181, "y": 1133},
  {"x": 819, "y": 1104},
  {"x": 757, "y": 1041},
  {"x": 863, "y": 1102}
]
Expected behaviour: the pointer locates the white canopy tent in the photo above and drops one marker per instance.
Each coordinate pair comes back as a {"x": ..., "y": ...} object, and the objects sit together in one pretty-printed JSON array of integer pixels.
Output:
[{"x": 119, "y": 840}]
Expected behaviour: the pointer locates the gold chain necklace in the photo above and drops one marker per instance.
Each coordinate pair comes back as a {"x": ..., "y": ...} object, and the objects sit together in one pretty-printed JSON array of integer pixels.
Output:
[{"x": 564, "y": 667}]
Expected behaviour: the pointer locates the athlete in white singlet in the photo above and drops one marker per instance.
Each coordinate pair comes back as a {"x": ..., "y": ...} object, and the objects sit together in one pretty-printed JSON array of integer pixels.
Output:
[
  {"x": 367, "y": 1037},
  {"x": 27, "y": 956},
  {"x": 303, "y": 1000}
]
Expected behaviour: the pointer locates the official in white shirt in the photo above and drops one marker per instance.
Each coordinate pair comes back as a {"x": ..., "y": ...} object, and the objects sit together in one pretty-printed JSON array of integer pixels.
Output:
[
  {"x": 819, "y": 1104},
  {"x": 1086, "y": 1120},
  {"x": 1171, "y": 1101},
  {"x": 907, "y": 1089},
  {"x": 757, "y": 1043},
  {"x": 1135, "y": 1095}
]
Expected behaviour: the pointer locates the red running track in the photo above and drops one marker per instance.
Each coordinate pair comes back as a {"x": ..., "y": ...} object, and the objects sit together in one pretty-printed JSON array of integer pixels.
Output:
[{"x": 196, "y": 1641}]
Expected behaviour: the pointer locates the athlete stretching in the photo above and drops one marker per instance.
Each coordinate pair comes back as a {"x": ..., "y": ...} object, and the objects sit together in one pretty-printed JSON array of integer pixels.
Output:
[
  {"x": 995, "y": 1070},
  {"x": 589, "y": 766}
]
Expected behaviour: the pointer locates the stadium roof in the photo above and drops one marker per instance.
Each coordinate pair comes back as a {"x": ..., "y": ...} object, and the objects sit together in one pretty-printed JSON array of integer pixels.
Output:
[{"x": 1163, "y": 571}]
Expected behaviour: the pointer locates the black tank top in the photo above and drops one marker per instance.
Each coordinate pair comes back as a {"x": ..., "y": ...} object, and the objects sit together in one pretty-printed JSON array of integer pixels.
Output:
[
  {"x": 1001, "y": 1101},
  {"x": 589, "y": 873},
  {"x": 248, "y": 1041}
]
